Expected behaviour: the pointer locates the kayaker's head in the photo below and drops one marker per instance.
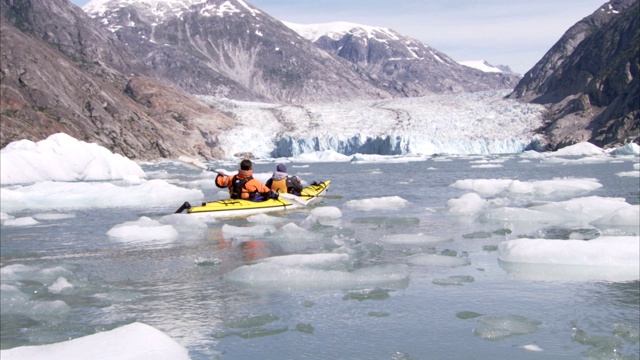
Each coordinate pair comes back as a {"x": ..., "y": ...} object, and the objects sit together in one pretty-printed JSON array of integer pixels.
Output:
[
  {"x": 281, "y": 168},
  {"x": 245, "y": 164}
]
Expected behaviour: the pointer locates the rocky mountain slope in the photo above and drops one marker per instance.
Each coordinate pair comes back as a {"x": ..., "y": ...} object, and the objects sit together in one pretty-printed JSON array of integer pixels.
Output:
[
  {"x": 399, "y": 63},
  {"x": 126, "y": 78},
  {"x": 590, "y": 79},
  {"x": 63, "y": 73},
  {"x": 230, "y": 48}
]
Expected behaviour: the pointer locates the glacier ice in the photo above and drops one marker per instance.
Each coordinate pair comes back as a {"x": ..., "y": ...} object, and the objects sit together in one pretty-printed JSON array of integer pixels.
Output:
[{"x": 473, "y": 123}]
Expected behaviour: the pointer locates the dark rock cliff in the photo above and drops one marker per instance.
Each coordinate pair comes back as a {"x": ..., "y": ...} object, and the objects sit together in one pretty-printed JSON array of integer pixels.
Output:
[{"x": 590, "y": 80}]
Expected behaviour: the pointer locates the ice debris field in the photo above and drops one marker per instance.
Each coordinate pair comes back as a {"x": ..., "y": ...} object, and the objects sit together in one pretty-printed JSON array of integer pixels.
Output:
[{"x": 60, "y": 174}]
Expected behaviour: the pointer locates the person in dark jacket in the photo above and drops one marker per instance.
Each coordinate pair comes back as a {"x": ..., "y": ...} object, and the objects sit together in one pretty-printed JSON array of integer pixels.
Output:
[
  {"x": 244, "y": 186},
  {"x": 281, "y": 182}
]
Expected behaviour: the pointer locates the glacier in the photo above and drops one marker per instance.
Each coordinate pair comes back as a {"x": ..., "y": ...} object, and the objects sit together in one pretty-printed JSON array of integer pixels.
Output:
[{"x": 458, "y": 124}]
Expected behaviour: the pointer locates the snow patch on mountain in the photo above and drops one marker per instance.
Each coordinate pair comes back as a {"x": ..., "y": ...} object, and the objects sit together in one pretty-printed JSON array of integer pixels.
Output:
[
  {"x": 336, "y": 30},
  {"x": 164, "y": 9},
  {"x": 481, "y": 65},
  {"x": 159, "y": 7}
]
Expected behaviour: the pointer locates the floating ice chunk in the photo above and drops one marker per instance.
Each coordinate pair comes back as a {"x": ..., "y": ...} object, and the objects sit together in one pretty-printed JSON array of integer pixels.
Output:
[
  {"x": 454, "y": 280},
  {"x": 580, "y": 149},
  {"x": 532, "y": 347},
  {"x": 259, "y": 231},
  {"x": 326, "y": 212},
  {"x": 629, "y": 215},
  {"x": 613, "y": 258},
  {"x": 635, "y": 173},
  {"x": 143, "y": 230},
  {"x": 183, "y": 221},
  {"x": 20, "y": 222},
  {"x": 293, "y": 238},
  {"x": 620, "y": 251},
  {"x": 189, "y": 227},
  {"x": 18, "y": 272},
  {"x": 315, "y": 271},
  {"x": 487, "y": 166},
  {"x": 53, "y": 216},
  {"x": 628, "y": 149},
  {"x": 504, "y": 326},
  {"x": 60, "y": 285},
  {"x": 326, "y": 215},
  {"x": 133, "y": 341},
  {"x": 485, "y": 187},
  {"x": 381, "y": 203},
  {"x": 587, "y": 160},
  {"x": 522, "y": 215},
  {"x": 437, "y": 260},
  {"x": 202, "y": 184},
  {"x": 566, "y": 187},
  {"x": 585, "y": 208},
  {"x": 14, "y": 301},
  {"x": 58, "y": 195},
  {"x": 531, "y": 154},
  {"x": 515, "y": 324},
  {"x": 62, "y": 158},
  {"x": 265, "y": 219},
  {"x": 411, "y": 239},
  {"x": 467, "y": 204}
]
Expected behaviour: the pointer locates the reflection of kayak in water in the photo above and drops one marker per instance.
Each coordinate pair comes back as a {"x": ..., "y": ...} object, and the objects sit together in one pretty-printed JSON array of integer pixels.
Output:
[{"x": 239, "y": 207}]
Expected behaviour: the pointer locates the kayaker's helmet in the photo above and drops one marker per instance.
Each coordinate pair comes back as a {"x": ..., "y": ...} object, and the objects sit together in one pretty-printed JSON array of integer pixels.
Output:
[
  {"x": 245, "y": 164},
  {"x": 281, "y": 168}
]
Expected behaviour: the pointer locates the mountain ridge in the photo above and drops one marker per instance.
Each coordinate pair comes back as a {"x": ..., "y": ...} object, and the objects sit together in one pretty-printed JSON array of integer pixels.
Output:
[{"x": 132, "y": 89}]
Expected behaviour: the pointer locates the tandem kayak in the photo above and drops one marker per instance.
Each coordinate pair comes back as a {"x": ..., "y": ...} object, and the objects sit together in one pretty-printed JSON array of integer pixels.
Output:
[{"x": 239, "y": 207}]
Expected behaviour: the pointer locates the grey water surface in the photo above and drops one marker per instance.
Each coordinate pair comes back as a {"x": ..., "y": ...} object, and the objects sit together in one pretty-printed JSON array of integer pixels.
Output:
[{"x": 476, "y": 310}]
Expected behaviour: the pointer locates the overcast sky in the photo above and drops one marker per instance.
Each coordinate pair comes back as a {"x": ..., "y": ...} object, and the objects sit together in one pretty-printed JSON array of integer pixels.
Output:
[{"x": 516, "y": 33}]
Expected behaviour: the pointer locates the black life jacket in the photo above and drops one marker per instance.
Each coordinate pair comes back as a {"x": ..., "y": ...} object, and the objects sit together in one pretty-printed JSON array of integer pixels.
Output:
[{"x": 237, "y": 185}]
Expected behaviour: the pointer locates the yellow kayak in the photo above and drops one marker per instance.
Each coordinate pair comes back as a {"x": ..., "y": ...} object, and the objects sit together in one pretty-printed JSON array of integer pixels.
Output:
[{"x": 238, "y": 207}]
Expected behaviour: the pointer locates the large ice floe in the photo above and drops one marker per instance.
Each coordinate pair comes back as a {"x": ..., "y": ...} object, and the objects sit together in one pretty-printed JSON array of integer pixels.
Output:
[
  {"x": 316, "y": 271},
  {"x": 63, "y": 158},
  {"x": 61, "y": 172},
  {"x": 133, "y": 341},
  {"x": 613, "y": 258}
]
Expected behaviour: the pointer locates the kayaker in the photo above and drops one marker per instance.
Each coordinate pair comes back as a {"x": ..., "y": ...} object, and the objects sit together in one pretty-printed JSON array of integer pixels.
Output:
[
  {"x": 244, "y": 186},
  {"x": 281, "y": 182}
]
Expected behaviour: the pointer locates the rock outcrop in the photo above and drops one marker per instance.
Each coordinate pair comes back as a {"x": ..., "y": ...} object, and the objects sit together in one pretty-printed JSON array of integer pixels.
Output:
[{"x": 590, "y": 80}]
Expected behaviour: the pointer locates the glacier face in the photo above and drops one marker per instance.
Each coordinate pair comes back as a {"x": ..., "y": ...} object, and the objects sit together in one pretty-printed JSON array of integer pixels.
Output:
[{"x": 470, "y": 123}]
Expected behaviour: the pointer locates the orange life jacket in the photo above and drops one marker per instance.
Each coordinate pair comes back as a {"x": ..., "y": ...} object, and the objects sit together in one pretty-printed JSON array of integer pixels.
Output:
[
  {"x": 279, "y": 185},
  {"x": 248, "y": 186}
]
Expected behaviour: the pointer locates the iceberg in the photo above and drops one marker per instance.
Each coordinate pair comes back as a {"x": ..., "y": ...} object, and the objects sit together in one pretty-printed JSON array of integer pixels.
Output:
[
  {"x": 63, "y": 158},
  {"x": 611, "y": 258},
  {"x": 133, "y": 341}
]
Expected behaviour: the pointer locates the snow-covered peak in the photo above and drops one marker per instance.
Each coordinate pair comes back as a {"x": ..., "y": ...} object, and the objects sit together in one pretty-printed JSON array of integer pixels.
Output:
[
  {"x": 165, "y": 8},
  {"x": 481, "y": 65},
  {"x": 338, "y": 29}
]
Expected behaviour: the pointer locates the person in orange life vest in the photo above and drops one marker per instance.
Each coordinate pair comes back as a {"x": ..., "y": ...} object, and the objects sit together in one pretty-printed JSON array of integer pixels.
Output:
[
  {"x": 281, "y": 182},
  {"x": 244, "y": 186}
]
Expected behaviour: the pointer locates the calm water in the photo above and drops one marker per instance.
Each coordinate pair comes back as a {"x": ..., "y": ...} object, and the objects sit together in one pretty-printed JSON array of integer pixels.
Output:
[{"x": 178, "y": 288}]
